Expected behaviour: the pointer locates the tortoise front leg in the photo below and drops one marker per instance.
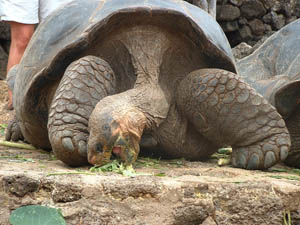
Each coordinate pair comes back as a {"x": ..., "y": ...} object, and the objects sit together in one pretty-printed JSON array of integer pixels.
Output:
[
  {"x": 228, "y": 112},
  {"x": 85, "y": 82}
]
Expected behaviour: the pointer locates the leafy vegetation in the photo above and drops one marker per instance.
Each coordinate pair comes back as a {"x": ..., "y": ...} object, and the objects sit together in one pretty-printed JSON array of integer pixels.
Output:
[
  {"x": 223, "y": 156},
  {"x": 295, "y": 173},
  {"x": 115, "y": 166},
  {"x": 222, "y": 153},
  {"x": 285, "y": 177},
  {"x": 226, "y": 151},
  {"x": 118, "y": 167},
  {"x": 287, "y": 218},
  {"x": 36, "y": 215},
  {"x": 2, "y": 129}
]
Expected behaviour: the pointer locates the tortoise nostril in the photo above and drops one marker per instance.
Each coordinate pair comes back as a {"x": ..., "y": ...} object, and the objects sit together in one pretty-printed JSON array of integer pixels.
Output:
[{"x": 99, "y": 148}]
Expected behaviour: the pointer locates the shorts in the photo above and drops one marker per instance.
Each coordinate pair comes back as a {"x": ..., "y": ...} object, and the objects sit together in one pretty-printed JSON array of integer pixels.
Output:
[{"x": 28, "y": 11}]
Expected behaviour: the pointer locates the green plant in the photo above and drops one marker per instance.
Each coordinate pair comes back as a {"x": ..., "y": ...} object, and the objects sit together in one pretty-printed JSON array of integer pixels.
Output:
[
  {"x": 287, "y": 218},
  {"x": 69, "y": 173},
  {"x": 36, "y": 215},
  {"x": 2, "y": 129},
  {"x": 143, "y": 162},
  {"x": 113, "y": 166},
  {"x": 227, "y": 151},
  {"x": 118, "y": 167},
  {"x": 285, "y": 177}
]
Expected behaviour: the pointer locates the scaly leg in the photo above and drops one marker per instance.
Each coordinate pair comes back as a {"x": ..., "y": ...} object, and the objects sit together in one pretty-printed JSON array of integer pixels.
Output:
[
  {"x": 85, "y": 82},
  {"x": 228, "y": 112}
]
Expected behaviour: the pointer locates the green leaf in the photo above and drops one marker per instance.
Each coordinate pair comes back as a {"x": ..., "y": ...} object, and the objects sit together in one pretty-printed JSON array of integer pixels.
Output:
[
  {"x": 113, "y": 166},
  {"x": 278, "y": 170},
  {"x": 162, "y": 174},
  {"x": 226, "y": 151},
  {"x": 36, "y": 215},
  {"x": 129, "y": 172}
]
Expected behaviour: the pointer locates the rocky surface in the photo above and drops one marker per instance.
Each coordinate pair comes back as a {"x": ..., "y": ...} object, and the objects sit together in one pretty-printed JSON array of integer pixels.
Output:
[
  {"x": 241, "y": 50},
  {"x": 189, "y": 193}
]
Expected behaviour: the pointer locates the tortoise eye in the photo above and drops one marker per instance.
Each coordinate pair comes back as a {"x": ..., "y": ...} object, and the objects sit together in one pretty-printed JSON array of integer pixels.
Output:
[{"x": 99, "y": 148}]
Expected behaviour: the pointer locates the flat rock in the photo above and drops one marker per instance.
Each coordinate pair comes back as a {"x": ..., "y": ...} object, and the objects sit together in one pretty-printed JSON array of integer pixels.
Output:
[
  {"x": 241, "y": 50},
  {"x": 164, "y": 192},
  {"x": 252, "y": 8},
  {"x": 227, "y": 12}
]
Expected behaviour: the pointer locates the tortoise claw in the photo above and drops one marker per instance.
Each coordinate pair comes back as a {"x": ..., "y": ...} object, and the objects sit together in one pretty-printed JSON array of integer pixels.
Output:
[
  {"x": 82, "y": 148},
  {"x": 70, "y": 146},
  {"x": 67, "y": 144},
  {"x": 262, "y": 155}
]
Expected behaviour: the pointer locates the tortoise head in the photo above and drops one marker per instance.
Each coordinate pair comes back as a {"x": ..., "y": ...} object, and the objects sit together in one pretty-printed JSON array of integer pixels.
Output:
[{"x": 115, "y": 131}]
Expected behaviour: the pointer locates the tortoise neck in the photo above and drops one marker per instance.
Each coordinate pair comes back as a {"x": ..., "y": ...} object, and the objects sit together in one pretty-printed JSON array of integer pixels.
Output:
[
  {"x": 152, "y": 102},
  {"x": 147, "y": 45}
]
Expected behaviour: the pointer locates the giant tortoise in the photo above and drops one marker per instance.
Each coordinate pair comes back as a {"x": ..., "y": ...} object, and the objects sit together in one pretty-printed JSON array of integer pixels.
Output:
[
  {"x": 104, "y": 77},
  {"x": 274, "y": 71}
]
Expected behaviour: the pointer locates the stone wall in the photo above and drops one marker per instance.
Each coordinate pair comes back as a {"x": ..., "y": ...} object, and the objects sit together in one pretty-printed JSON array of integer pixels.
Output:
[
  {"x": 250, "y": 20},
  {"x": 242, "y": 20}
]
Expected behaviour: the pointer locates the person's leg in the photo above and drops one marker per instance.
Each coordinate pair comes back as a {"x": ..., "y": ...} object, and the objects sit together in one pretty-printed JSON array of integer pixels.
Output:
[{"x": 20, "y": 37}]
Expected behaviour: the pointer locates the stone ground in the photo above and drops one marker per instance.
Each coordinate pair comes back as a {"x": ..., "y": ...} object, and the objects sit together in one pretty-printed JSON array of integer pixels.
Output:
[{"x": 177, "y": 193}]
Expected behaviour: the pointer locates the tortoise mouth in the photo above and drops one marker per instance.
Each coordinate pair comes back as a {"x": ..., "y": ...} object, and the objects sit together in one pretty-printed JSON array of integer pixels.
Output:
[
  {"x": 117, "y": 150},
  {"x": 117, "y": 147}
]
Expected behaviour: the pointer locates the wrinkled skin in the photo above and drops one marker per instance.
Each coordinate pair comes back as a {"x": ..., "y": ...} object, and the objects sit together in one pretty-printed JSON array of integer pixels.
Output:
[{"x": 155, "y": 84}]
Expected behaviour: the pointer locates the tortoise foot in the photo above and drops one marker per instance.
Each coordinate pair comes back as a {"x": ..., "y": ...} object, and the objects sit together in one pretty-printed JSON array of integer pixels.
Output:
[
  {"x": 13, "y": 131},
  {"x": 85, "y": 82},
  {"x": 262, "y": 155},
  {"x": 69, "y": 145}
]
